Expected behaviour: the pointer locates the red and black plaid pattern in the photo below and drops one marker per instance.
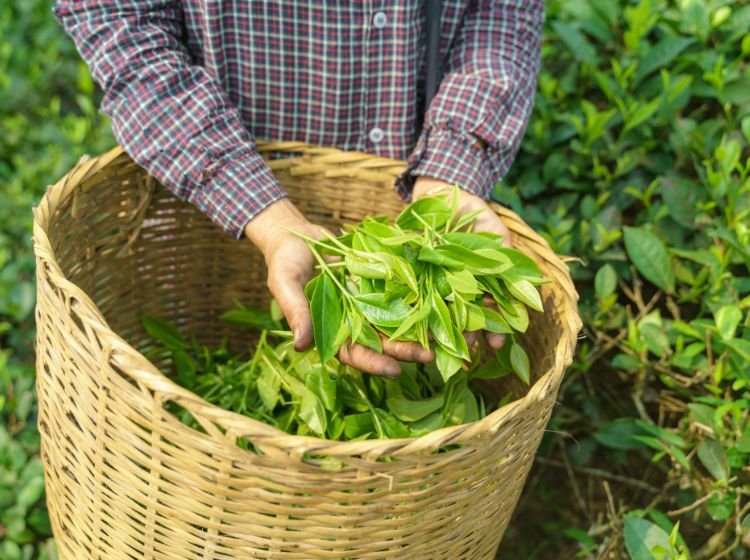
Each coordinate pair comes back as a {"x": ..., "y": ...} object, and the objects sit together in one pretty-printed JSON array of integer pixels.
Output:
[{"x": 189, "y": 84}]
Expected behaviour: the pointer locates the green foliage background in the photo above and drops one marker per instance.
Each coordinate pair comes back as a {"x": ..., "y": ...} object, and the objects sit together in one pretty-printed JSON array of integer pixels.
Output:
[{"x": 635, "y": 163}]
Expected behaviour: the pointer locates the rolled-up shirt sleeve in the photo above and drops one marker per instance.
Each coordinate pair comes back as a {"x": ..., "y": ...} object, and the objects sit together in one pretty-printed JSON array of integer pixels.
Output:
[
  {"x": 169, "y": 114},
  {"x": 486, "y": 94}
]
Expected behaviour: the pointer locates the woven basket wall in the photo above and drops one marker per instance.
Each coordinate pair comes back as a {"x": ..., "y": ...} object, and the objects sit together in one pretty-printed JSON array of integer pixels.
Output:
[{"x": 127, "y": 480}]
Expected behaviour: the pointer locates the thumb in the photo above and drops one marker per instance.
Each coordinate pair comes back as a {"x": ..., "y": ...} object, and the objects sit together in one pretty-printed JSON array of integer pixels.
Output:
[
  {"x": 490, "y": 222},
  {"x": 287, "y": 287}
]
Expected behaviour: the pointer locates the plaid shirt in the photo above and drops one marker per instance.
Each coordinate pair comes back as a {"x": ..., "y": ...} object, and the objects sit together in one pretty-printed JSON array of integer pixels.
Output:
[{"x": 189, "y": 84}]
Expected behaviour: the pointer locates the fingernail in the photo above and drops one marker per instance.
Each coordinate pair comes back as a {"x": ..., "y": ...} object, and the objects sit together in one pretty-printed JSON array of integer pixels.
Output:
[
  {"x": 496, "y": 340},
  {"x": 426, "y": 355},
  {"x": 298, "y": 342},
  {"x": 391, "y": 370}
]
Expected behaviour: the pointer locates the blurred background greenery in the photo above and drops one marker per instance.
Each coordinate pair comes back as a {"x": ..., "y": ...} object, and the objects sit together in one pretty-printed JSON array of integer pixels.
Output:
[{"x": 635, "y": 163}]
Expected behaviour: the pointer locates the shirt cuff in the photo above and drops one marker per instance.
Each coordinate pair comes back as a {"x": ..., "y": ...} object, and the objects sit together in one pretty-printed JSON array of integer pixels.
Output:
[
  {"x": 451, "y": 157},
  {"x": 232, "y": 192}
]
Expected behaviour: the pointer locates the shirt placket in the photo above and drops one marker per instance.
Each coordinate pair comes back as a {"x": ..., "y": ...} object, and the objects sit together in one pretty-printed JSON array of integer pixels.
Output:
[{"x": 373, "y": 133}]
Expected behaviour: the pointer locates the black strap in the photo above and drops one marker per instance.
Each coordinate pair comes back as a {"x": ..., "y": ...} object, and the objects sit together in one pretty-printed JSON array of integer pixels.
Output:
[
  {"x": 432, "y": 10},
  {"x": 432, "y": 50}
]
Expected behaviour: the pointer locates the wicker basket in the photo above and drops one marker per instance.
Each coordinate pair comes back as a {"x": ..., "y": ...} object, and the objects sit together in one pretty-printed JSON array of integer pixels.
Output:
[{"x": 127, "y": 480}]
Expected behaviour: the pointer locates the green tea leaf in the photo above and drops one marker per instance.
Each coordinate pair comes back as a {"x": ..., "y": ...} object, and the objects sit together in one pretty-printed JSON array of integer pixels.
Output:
[
  {"x": 578, "y": 45},
  {"x": 441, "y": 326},
  {"x": 163, "y": 332},
  {"x": 642, "y": 536},
  {"x": 661, "y": 54},
  {"x": 727, "y": 319},
  {"x": 392, "y": 426},
  {"x": 325, "y": 308},
  {"x": 252, "y": 318},
  {"x": 475, "y": 320},
  {"x": 355, "y": 324},
  {"x": 642, "y": 113},
  {"x": 523, "y": 265},
  {"x": 430, "y": 423},
  {"x": 495, "y": 368},
  {"x": 721, "y": 506},
  {"x": 524, "y": 291},
  {"x": 411, "y": 411},
  {"x": 369, "y": 337},
  {"x": 469, "y": 403},
  {"x": 472, "y": 241},
  {"x": 714, "y": 457},
  {"x": 463, "y": 282},
  {"x": 400, "y": 239},
  {"x": 405, "y": 273},
  {"x": 605, "y": 282},
  {"x": 380, "y": 312},
  {"x": 312, "y": 412},
  {"x": 650, "y": 257},
  {"x": 366, "y": 267},
  {"x": 745, "y": 125},
  {"x": 377, "y": 227},
  {"x": 467, "y": 219},
  {"x": 482, "y": 260},
  {"x": 323, "y": 385},
  {"x": 435, "y": 210},
  {"x": 430, "y": 255},
  {"x": 448, "y": 364},
  {"x": 618, "y": 434},
  {"x": 459, "y": 313},
  {"x": 416, "y": 316},
  {"x": 520, "y": 362},
  {"x": 186, "y": 367},
  {"x": 342, "y": 335},
  {"x": 358, "y": 425},
  {"x": 494, "y": 322},
  {"x": 269, "y": 386}
]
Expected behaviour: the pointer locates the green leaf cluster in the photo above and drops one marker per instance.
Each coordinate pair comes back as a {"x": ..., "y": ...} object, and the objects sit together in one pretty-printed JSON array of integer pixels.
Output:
[
  {"x": 301, "y": 394},
  {"x": 421, "y": 278},
  {"x": 636, "y": 162}
]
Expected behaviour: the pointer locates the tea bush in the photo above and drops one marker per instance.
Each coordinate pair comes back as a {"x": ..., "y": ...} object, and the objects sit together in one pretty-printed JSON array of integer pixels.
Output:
[
  {"x": 635, "y": 164},
  {"x": 48, "y": 119}
]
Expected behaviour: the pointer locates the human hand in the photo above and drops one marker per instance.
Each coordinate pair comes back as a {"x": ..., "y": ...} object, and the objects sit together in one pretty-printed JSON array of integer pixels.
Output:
[
  {"x": 290, "y": 266},
  {"x": 487, "y": 221}
]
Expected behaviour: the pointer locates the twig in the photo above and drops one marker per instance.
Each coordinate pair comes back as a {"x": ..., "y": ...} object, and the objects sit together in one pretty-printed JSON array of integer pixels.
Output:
[
  {"x": 610, "y": 500},
  {"x": 598, "y": 473},
  {"x": 737, "y": 532},
  {"x": 643, "y": 310},
  {"x": 574, "y": 483},
  {"x": 692, "y": 506}
]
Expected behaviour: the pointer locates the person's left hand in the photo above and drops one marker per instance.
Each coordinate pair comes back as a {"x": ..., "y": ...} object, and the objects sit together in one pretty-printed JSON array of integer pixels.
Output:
[{"x": 487, "y": 220}]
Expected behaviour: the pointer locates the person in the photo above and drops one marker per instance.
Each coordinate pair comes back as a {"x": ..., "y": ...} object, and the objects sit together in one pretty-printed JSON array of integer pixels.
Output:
[{"x": 190, "y": 84}]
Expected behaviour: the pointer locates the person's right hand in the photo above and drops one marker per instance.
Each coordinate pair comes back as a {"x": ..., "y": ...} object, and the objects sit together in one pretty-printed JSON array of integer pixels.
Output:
[{"x": 290, "y": 266}]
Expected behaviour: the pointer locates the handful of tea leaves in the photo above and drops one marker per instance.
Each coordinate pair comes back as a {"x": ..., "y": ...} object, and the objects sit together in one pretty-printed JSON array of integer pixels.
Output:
[
  {"x": 423, "y": 277},
  {"x": 301, "y": 395}
]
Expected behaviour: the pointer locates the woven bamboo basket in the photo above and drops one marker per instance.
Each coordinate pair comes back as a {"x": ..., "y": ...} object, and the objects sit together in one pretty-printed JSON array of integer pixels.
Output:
[{"x": 127, "y": 480}]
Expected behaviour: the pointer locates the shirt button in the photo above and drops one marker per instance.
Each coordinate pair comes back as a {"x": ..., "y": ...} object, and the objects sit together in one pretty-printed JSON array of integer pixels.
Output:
[
  {"x": 379, "y": 20},
  {"x": 376, "y": 135}
]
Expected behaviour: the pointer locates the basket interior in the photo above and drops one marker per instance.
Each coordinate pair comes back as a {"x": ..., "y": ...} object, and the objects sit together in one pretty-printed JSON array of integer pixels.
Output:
[{"x": 135, "y": 249}]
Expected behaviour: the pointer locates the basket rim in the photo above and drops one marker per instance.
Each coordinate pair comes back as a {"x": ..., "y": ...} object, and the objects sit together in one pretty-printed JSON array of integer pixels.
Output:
[{"x": 270, "y": 440}]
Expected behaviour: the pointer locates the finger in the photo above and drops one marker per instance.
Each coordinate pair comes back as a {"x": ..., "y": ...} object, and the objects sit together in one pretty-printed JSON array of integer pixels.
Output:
[
  {"x": 407, "y": 351},
  {"x": 490, "y": 222},
  {"x": 288, "y": 290},
  {"x": 471, "y": 338},
  {"x": 495, "y": 340},
  {"x": 368, "y": 360}
]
